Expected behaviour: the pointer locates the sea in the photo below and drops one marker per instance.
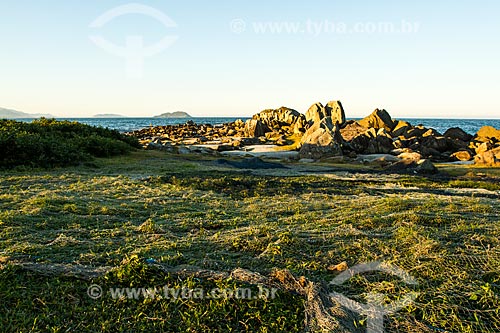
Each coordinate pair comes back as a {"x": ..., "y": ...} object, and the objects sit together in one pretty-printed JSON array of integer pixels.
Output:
[{"x": 471, "y": 126}]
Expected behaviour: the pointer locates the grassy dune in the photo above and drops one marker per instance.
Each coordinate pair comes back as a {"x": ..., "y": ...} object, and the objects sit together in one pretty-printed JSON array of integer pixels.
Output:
[{"x": 147, "y": 208}]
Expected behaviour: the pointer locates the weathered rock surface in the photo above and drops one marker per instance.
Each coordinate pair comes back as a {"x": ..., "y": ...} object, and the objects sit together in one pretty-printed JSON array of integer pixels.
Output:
[
  {"x": 425, "y": 167},
  {"x": 323, "y": 138},
  {"x": 378, "y": 119},
  {"x": 483, "y": 147},
  {"x": 283, "y": 120},
  {"x": 315, "y": 113},
  {"x": 462, "y": 155},
  {"x": 336, "y": 112},
  {"x": 255, "y": 128},
  {"x": 457, "y": 133},
  {"x": 410, "y": 156},
  {"x": 414, "y": 167},
  {"x": 486, "y": 145},
  {"x": 373, "y": 142},
  {"x": 333, "y": 109},
  {"x": 400, "y": 128},
  {"x": 323, "y": 132},
  {"x": 488, "y": 132},
  {"x": 351, "y": 130},
  {"x": 321, "y": 141},
  {"x": 488, "y": 158}
]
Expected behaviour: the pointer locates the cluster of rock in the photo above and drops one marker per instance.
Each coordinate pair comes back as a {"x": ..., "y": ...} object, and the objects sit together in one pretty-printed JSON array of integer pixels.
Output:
[
  {"x": 228, "y": 136},
  {"x": 271, "y": 126},
  {"x": 322, "y": 137},
  {"x": 276, "y": 125},
  {"x": 324, "y": 132},
  {"x": 329, "y": 134},
  {"x": 378, "y": 133},
  {"x": 486, "y": 145}
]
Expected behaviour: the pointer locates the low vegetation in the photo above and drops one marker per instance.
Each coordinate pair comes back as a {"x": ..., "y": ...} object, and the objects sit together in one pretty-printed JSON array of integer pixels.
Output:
[
  {"x": 135, "y": 212},
  {"x": 49, "y": 143}
]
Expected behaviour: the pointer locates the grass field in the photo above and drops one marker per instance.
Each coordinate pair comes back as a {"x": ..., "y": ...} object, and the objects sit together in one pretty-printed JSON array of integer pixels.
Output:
[{"x": 137, "y": 216}]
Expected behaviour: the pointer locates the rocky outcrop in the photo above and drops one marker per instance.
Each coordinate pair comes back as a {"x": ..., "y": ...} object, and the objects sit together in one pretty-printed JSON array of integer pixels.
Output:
[
  {"x": 379, "y": 134},
  {"x": 351, "y": 130},
  {"x": 409, "y": 155},
  {"x": 333, "y": 110},
  {"x": 400, "y": 128},
  {"x": 462, "y": 155},
  {"x": 315, "y": 113},
  {"x": 323, "y": 132},
  {"x": 190, "y": 133},
  {"x": 255, "y": 128},
  {"x": 486, "y": 145},
  {"x": 378, "y": 119},
  {"x": 425, "y": 167},
  {"x": 488, "y": 158},
  {"x": 283, "y": 120},
  {"x": 456, "y": 133},
  {"x": 483, "y": 147},
  {"x": 487, "y": 133},
  {"x": 373, "y": 141},
  {"x": 323, "y": 138},
  {"x": 321, "y": 141}
]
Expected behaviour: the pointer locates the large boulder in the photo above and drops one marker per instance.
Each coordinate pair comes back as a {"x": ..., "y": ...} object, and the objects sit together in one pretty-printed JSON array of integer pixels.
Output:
[
  {"x": 255, "y": 128},
  {"x": 457, "y": 144},
  {"x": 462, "y": 155},
  {"x": 410, "y": 156},
  {"x": 488, "y": 132},
  {"x": 333, "y": 109},
  {"x": 483, "y": 147},
  {"x": 414, "y": 167},
  {"x": 457, "y": 133},
  {"x": 320, "y": 142},
  {"x": 373, "y": 142},
  {"x": 284, "y": 119},
  {"x": 438, "y": 143},
  {"x": 351, "y": 130},
  {"x": 400, "y": 128},
  {"x": 431, "y": 132},
  {"x": 315, "y": 113},
  {"x": 426, "y": 167},
  {"x": 488, "y": 158},
  {"x": 415, "y": 132},
  {"x": 378, "y": 119}
]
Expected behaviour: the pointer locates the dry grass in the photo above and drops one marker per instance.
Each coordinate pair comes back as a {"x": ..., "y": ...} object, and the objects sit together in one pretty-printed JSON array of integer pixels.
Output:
[{"x": 185, "y": 211}]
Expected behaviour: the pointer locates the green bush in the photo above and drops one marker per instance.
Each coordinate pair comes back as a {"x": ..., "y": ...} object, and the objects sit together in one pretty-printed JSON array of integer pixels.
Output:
[{"x": 49, "y": 143}]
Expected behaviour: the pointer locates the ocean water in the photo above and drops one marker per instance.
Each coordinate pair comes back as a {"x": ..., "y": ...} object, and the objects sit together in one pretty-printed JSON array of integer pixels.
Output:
[
  {"x": 471, "y": 126},
  {"x": 132, "y": 124}
]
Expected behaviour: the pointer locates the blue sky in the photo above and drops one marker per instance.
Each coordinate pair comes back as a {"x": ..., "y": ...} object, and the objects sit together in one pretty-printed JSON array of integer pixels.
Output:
[{"x": 447, "y": 68}]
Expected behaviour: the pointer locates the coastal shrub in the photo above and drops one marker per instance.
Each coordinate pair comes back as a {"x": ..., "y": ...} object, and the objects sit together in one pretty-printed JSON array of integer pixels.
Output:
[{"x": 48, "y": 143}]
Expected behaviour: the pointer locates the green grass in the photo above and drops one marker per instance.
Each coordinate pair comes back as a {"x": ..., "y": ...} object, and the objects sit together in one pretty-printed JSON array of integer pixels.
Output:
[
  {"x": 49, "y": 143},
  {"x": 192, "y": 212},
  {"x": 44, "y": 297}
]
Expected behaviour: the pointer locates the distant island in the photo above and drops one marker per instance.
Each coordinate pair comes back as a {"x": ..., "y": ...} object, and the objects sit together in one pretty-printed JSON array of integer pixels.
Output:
[
  {"x": 177, "y": 114},
  {"x": 11, "y": 114},
  {"x": 108, "y": 115}
]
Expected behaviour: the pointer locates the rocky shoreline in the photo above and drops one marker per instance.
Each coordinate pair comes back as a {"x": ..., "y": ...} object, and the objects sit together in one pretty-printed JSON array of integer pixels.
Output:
[{"x": 324, "y": 133}]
